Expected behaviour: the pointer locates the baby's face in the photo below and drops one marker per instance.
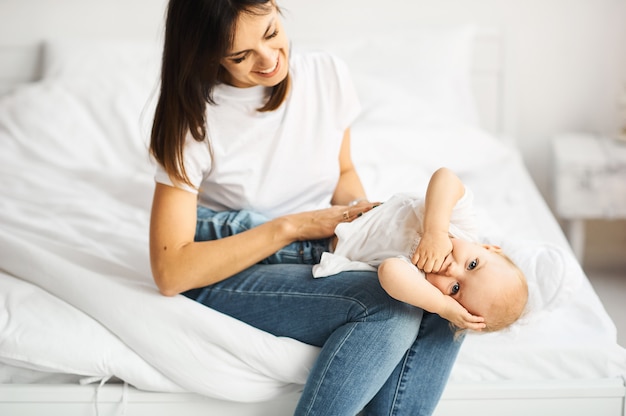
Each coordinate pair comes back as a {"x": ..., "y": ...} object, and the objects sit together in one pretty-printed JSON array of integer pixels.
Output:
[{"x": 475, "y": 275}]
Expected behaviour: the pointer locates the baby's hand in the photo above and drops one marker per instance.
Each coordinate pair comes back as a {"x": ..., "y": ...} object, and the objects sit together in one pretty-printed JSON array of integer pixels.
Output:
[
  {"x": 432, "y": 251},
  {"x": 454, "y": 312}
]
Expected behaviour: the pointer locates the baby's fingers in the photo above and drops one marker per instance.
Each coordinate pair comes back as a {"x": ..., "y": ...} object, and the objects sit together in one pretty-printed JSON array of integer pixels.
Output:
[
  {"x": 426, "y": 263},
  {"x": 476, "y": 326},
  {"x": 474, "y": 318},
  {"x": 437, "y": 262},
  {"x": 420, "y": 260},
  {"x": 477, "y": 323}
]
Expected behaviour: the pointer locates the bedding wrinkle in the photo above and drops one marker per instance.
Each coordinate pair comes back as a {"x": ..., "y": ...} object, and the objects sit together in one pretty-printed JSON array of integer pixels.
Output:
[{"x": 76, "y": 223}]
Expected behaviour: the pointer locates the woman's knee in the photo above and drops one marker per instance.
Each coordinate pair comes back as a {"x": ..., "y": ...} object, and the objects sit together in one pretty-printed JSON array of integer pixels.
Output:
[{"x": 372, "y": 303}]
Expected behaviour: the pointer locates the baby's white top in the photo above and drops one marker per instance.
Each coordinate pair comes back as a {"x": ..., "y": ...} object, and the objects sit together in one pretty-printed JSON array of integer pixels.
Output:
[{"x": 392, "y": 229}]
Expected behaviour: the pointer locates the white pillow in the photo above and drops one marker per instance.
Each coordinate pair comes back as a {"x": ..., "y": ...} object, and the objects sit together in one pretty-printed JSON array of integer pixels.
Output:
[
  {"x": 71, "y": 58},
  {"x": 431, "y": 66},
  {"x": 423, "y": 74},
  {"x": 86, "y": 124},
  {"x": 552, "y": 273},
  {"x": 401, "y": 156}
]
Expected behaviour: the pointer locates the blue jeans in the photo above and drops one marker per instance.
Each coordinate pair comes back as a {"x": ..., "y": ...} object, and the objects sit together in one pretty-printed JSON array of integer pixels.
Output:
[
  {"x": 378, "y": 355},
  {"x": 212, "y": 225}
]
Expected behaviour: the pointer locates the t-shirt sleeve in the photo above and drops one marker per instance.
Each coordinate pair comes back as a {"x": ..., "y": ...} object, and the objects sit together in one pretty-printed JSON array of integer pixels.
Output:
[
  {"x": 463, "y": 222},
  {"x": 345, "y": 94},
  {"x": 197, "y": 161}
]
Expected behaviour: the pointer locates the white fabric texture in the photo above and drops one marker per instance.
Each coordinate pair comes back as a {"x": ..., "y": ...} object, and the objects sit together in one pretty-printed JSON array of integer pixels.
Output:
[
  {"x": 76, "y": 294},
  {"x": 538, "y": 260},
  {"x": 392, "y": 229},
  {"x": 75, "y": 198},
  {"x": 72, "y": 58},
  {"x": 309, "y": 126},
  {"x": 430, "y": 68}
]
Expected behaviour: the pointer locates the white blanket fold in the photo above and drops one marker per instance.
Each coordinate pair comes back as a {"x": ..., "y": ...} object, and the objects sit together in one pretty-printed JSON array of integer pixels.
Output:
[{"x": 178, "y": 338}]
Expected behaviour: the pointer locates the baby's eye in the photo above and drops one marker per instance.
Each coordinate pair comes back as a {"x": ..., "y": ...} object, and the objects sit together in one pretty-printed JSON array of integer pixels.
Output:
[
  {"x": 472, "y": 265},
  {"x": 455, "y": 289}
]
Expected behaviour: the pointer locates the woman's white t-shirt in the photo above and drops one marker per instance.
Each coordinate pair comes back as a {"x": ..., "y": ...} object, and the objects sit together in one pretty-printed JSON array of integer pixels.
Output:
[{"x": 276, "y": 162}]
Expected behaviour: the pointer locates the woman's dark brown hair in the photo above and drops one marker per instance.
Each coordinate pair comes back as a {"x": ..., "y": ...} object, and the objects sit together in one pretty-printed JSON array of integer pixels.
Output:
[{"x": 198, "y": 33}]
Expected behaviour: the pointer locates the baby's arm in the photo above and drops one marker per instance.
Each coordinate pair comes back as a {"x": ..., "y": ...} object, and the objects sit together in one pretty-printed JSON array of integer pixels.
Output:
[
  {"x": 403, "y": 282},
  {"x": 444, "y": 191}
]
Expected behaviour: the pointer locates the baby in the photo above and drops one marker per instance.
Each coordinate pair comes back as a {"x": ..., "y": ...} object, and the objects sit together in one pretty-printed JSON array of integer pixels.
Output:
[
  {"x": 427, "y": 255},
  {"x": 426, "y": 252}
]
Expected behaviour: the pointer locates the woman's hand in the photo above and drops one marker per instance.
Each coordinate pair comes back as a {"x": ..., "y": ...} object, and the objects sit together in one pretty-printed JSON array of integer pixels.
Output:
[{"x": 312, "y": 225}]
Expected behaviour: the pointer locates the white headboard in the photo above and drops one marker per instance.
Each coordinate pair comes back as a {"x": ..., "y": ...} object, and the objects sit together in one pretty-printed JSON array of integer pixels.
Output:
[
  {"x": 491, "y": 86},
  {"x": 25, "y": 25}
]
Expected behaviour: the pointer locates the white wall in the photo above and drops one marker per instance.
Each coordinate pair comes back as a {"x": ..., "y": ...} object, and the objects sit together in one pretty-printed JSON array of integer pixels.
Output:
[
  {"x": 568, "y": 57},
  {"x": 32, "y": 20}
]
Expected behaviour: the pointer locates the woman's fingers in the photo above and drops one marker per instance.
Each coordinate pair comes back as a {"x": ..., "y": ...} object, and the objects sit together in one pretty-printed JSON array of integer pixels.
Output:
[{"x": 350, "y": 213}]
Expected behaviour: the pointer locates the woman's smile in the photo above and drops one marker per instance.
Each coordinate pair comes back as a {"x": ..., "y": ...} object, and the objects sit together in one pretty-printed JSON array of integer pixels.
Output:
[{"x": 271, "y": 71}]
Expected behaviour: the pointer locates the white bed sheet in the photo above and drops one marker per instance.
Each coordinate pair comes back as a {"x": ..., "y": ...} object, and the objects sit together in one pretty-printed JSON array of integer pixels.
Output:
[
  {"x": 566, "y": 333},
  {"x": 76, "y": 294}
]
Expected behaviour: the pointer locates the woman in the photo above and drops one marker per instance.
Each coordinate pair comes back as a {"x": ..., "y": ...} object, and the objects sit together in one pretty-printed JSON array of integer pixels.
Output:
[{"x": 242, "y": 125}]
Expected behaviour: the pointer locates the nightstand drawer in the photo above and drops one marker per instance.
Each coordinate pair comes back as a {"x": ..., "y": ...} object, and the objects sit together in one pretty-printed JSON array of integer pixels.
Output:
[
  {"x": 589, "y": 177},
  {"x": 590, "y": 193}
]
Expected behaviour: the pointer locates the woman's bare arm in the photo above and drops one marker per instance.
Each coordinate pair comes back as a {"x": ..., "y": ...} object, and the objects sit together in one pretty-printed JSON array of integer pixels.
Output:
[
  {"x": 349, "y": 187},
  {"x": 179, "y": 263}
]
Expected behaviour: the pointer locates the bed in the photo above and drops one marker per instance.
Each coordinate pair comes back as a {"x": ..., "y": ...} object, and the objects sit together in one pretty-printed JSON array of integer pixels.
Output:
[{"x": 83, "y": 329}]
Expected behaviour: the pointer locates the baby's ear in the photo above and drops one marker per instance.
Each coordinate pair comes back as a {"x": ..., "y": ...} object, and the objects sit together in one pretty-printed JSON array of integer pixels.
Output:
[{"x": 492, "y": 247}]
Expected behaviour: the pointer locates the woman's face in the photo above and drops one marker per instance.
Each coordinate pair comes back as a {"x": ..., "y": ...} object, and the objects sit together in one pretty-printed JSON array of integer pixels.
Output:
[{"x": 260, "y": 50}]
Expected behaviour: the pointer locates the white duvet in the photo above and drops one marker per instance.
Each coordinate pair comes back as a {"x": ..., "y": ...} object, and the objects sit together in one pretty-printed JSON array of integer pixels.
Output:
[
  {"x": 76, "y": 294},
  {"x": 75, "y": 191}
]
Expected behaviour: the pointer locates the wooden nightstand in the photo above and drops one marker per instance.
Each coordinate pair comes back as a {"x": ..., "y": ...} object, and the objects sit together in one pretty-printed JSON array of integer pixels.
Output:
[{"x": 589, "y": 182}]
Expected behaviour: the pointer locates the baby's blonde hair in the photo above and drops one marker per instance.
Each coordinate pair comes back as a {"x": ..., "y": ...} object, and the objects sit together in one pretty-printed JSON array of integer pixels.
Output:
[{"x": 510, "y": 306}]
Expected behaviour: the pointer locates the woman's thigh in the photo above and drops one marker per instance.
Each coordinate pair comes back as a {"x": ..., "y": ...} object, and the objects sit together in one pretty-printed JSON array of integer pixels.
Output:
[{"x": 286, "y": 300}]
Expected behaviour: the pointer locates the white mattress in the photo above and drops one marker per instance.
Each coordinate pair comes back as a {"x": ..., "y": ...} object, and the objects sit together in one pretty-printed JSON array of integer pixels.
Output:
[{"x": 77, "y": 299}]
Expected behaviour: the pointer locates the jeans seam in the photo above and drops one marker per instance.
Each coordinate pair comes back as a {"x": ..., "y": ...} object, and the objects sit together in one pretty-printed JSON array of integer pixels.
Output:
[
  {"x": 398, "y": 391},
  {"x": 301, "y": 294},
  {"x": 319, "y": 385}
]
